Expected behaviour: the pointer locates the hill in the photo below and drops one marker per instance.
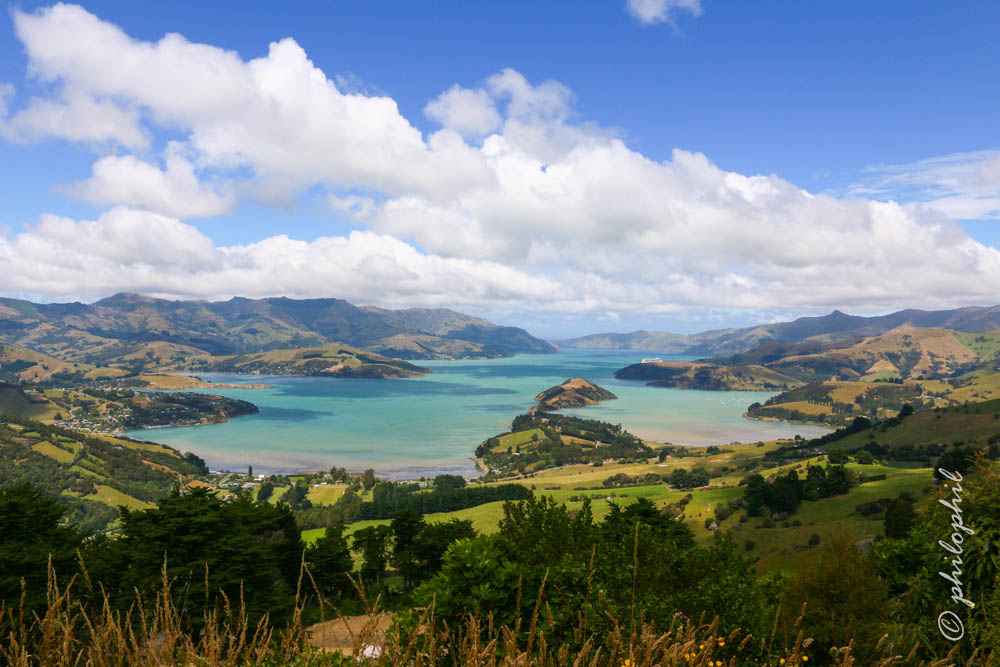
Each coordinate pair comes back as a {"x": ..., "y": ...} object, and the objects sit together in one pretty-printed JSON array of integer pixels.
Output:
[
  {"x": 92, "y": 474},
  {"x": 140, "y": 332},
  {"x": 96, "y": 410},
  {"x": 698, "y": 375},
  {"x": 329, "y": 361},
  {"x": 573, "y": 393},
  {"x": 833, "y": 327}
]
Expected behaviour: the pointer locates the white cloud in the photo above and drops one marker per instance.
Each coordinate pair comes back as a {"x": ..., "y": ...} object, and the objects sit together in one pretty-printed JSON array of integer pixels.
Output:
[
  {"x": 660, "y": 11},
  {"x": 74, "y": 116},
  {"x": 544, "y": 213},
  {"x": 963, "y": 186},
  {"x": 133, "y": 250},
  {"x": 278, "y": 116},
  {"x": 175, "y": 191},
  {"x": 352, "y": 206},
  {"x": 468, "y": 112}
]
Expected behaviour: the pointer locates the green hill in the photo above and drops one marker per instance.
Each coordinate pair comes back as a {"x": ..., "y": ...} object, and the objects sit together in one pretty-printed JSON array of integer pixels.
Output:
[
  {"x": 92, "y": 474},
  {"x": 141, "y": 332},
  {"x": 330, "y": 361}
]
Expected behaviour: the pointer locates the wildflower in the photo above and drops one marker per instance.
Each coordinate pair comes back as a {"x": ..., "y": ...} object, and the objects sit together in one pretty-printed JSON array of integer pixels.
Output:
[
  {"x": 702, "y": 646},
  {"x": 805, "y": 658},
  {"x": 722, "y": 642}
]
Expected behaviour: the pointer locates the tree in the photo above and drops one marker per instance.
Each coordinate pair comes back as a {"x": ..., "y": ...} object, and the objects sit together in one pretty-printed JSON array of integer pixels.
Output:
[
  {"x": 265, "y": 491},
  {"x": 814, "y": 540},
  {"x": 845, "y": 600},
  {"x": 435, "y": 539},
  {"x": 368, "y": 478},
  {"x": 864, "y": 457},
  {"x": 959, "y": 459},
  {"x": 899, "y": 518},
  {"x": 406, "y": 526},
  {"x": 449, "y": 482},
  {"x": 330, "y": 563},
  {"x": 212, "y": 550},
  {"x": 31, "y": 533},
  {"x": 373, "y": 545},
  {"x": 296, "y": 496},
  {"x": 838, "y": 456}
]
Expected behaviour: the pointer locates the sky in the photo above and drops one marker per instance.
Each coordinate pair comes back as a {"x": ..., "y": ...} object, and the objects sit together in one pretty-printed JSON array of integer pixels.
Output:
[{"x": 566, "y": 167}]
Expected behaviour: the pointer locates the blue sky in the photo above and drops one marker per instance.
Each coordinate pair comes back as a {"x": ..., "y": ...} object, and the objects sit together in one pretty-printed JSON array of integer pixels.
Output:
[{"x": 857, "y": 101}]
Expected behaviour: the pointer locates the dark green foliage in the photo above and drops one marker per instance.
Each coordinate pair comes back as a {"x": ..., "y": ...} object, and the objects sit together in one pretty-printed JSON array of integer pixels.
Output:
[
  {"x": 845, "y": 600},
  {"x": 368, "y": 479},
  {"x": 406, "y": 526},
  {"x": 210, "y": 548},
  {"x": 329, "y": 561},
  {"x": 959, "y": 459},
  {"x": 838, "y": 456},
  {"x": 31, "y": 532},
  {"x": 785, "y": 492},
  {"x": 296, "y": 496},
  {"x": 589, "y": 573},
  {"x": 899, "y": 518},
  {"x": 373, "y": 543},
  {"x": 390, "y": 498},
  {"x": 864, "y": 457},
  {"x": 449, "y": 482},
  {"x": 680, "y": 478},
  {"x": 265, "y": 491}
]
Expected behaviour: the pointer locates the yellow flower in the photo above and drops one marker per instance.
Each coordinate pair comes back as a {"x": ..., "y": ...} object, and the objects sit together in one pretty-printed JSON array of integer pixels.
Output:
[
  {"x": 782, "y": 661},
  {"x": 722, "y": 642},
  {"x": 702, "y": 646},
  {"x": 805, "y": 658},
  {"x": 627, "y": 662}
]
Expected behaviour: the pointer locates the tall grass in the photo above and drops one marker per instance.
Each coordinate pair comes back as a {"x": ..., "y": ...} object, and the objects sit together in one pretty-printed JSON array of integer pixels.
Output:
[{"x": 152, "y": 633}]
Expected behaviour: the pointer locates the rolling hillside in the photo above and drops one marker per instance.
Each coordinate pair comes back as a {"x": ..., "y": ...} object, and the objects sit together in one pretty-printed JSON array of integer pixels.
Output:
[
  {"x": 92, "y": 474},
  {"x": 331, "y": 361},
  {"x": 833, "y": 327},
  {"x": 141, "y": 332}
]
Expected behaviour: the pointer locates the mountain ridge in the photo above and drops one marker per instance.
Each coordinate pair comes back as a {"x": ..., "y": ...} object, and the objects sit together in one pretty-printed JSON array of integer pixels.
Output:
[
  {"x": 835, "y": 326},
  {"x": 121, "y": 324}
]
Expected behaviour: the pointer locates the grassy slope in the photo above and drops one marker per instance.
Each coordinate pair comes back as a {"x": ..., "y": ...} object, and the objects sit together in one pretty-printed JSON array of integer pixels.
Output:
[{"x": 779, "y": 547}]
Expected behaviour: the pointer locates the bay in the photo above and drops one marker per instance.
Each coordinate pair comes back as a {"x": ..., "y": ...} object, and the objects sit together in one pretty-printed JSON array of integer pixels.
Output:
[{"x": 424, "y": 426}]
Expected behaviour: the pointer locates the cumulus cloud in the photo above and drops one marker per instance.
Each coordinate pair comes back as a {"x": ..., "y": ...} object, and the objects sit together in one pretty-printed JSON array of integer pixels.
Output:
[
  {"x": 660, "y": 11},
  {"x": 468, "y": 112},
  {"x": 134, "y": 250},
  {"x": 174, "y": 191},
  {"x": 514, "y": 203}
]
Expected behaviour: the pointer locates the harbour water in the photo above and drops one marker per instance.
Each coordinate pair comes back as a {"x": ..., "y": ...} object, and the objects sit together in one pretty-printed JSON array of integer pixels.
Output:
[{"x": 433, "y": 424}]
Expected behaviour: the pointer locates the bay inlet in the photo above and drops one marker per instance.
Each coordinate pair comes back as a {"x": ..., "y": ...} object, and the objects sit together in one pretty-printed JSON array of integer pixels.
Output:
[{"x": 427, "y": 425}]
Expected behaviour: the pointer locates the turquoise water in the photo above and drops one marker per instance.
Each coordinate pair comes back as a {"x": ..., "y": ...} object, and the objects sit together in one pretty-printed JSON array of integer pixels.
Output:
[{"x": 434, "y": 423}]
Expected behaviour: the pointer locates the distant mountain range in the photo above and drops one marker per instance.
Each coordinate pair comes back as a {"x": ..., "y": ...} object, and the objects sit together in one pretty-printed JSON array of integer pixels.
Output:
[
  {"x": 829, "y": 328},
  {"x": 139, "y": 329}
]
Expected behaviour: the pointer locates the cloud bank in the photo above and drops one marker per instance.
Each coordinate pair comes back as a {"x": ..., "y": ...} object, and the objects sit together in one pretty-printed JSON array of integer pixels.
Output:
[{"x": 513, "y": 203}]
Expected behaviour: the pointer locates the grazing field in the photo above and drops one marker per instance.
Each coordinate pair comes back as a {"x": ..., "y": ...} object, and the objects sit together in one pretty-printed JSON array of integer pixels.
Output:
[
  {"x": 53, "y": 452},
  {"x": 326, "y": 494},
  {"x": 114, "y": 498}
]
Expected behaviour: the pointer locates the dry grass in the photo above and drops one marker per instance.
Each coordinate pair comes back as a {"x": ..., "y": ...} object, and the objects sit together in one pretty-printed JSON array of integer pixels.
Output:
[{"x": 151, "y": 634}]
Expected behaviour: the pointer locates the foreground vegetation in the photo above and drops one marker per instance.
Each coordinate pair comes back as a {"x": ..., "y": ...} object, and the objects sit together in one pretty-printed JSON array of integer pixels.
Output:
[{"x": 198, "y": 580}]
